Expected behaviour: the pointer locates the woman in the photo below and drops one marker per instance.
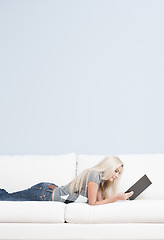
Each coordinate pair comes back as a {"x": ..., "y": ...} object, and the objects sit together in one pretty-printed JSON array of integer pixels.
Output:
[{"x": 96, "y": 186}]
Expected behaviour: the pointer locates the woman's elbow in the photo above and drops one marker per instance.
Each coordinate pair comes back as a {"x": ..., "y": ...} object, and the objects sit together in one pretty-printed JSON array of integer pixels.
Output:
[{"x": 92, "y": 203}]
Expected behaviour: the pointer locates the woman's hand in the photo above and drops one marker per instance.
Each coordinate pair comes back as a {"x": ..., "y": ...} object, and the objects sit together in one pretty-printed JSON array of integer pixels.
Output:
[
  {"x": 93, "y": 195},
  {"x": 124, "y": 196}
]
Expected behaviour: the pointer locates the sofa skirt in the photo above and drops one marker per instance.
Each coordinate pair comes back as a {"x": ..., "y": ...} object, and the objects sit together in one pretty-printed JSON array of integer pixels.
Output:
[{"x": 65, "y": 231}]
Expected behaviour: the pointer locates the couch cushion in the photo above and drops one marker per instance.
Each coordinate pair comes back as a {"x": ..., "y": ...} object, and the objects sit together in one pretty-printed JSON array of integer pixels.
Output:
[
  {"x": 126, "y": 211},
  {"x": 32, "y": 212},
  {"x": 22, "y": 171},
  {"x": 135, "y": 166}
]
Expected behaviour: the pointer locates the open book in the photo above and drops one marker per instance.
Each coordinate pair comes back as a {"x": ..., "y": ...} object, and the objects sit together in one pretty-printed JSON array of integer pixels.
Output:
[{"x": 139, "y": 187}]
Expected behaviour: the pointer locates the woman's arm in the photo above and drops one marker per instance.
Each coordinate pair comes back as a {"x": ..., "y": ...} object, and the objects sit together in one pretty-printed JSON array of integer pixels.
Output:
[
  {"x": 100, "y": 194},
  {"x": 94, "y": 199}
]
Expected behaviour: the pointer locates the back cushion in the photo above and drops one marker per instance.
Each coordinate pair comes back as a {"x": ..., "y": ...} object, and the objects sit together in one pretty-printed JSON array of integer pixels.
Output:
[
  {"x": 22, "y": 171},
  {"x": 135, "y": 166}
]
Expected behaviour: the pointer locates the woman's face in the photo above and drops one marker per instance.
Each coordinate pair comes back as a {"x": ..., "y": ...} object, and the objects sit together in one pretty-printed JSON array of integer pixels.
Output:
[{"x": 116, "y": 174}]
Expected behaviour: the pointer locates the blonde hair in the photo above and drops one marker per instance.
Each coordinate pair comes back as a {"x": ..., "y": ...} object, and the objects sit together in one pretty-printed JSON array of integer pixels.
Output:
[{"x": 105, "y": 168}]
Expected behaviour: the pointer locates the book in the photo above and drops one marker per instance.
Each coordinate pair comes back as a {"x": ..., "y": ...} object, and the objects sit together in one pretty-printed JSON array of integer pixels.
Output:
[{"x": 139, "y": 187}]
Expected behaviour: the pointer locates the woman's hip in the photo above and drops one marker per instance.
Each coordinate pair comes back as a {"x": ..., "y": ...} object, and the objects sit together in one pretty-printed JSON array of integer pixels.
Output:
[{"x": 42, "y": 191}]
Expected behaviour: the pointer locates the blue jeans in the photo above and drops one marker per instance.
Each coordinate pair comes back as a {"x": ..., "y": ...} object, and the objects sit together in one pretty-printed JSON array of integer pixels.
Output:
[{"x": 38, "y": 192}]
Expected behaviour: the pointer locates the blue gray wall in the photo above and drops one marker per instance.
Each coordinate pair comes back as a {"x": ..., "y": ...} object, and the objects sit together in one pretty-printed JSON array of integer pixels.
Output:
[{"x": 81, "y": 76}]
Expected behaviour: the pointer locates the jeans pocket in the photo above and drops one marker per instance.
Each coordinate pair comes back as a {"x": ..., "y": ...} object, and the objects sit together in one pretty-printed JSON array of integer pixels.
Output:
[{"x": 38, "y": 186}]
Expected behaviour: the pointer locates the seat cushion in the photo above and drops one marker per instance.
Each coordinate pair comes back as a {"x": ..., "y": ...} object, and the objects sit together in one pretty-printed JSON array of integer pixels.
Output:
[
  {"x": 126, "y": 211},
  {"x": 32, "y": 212}
]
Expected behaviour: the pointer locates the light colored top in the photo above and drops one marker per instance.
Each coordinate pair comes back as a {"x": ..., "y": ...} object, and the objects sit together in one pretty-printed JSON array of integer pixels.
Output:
[{"x": 62, "y": 193}]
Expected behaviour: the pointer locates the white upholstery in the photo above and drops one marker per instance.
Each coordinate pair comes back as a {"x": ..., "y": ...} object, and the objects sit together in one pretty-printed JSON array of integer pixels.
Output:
[
  {"x": 136, "y": 231},
  {"x": 20, "y": 172},
  {"x": 136, "y": 211},
  {"x": 136, "y": 166},
  {"x": 32, "y": 212},
  {"x": 87, "y": 161},
  {"x": 63, "y": 231}
]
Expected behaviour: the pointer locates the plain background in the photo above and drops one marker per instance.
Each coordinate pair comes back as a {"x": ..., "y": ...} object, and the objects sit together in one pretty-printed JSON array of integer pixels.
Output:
[{"x": 81, "y": 76}]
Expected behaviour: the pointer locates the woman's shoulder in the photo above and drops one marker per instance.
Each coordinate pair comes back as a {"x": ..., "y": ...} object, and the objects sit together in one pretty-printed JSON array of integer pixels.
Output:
[
  {"x": 94, "y": 172},
  {"x": 94, "y": 176}
]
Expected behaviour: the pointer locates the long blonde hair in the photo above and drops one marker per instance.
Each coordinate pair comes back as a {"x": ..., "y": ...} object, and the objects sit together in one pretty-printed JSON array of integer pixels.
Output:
[{"x": 105, "y": 168}]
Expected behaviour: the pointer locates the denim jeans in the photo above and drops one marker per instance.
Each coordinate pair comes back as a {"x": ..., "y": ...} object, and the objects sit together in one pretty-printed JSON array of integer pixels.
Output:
[{"x": 38, "y": 192}]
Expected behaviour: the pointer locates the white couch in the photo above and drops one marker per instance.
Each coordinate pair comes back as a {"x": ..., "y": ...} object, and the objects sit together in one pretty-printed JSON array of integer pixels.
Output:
[{"x": 142, "y": 218}]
